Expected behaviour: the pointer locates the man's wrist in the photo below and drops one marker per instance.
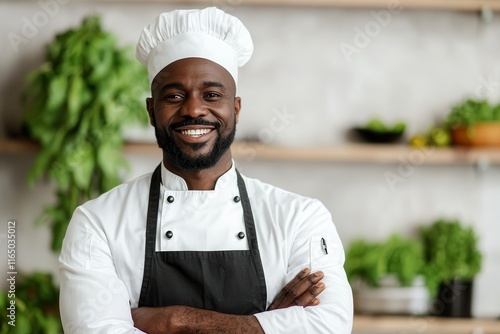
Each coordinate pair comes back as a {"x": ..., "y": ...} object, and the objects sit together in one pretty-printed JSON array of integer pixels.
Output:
[{"x": 183, "y": 319}]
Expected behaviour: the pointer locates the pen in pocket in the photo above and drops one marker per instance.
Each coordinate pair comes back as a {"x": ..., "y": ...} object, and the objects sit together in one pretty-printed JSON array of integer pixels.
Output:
[{"x": 323, "y": 245}]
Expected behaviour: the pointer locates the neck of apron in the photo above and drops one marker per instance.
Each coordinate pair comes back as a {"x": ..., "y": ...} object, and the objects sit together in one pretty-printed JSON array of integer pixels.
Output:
[{"x": 225, "y": 281}]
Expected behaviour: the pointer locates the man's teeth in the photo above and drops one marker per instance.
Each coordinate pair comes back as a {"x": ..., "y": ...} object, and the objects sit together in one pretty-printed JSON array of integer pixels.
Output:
[{"x": 196, "y": 132}]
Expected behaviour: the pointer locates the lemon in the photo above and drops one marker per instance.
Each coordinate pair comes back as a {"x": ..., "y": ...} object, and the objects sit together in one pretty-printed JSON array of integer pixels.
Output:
[{"x": 418, "y": 141}]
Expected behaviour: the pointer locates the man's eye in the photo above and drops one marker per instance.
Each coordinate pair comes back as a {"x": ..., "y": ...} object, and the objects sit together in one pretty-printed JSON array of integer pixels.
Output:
[
  {"x": 212, "y": 95},
  {"x": 173, "y": 97}
]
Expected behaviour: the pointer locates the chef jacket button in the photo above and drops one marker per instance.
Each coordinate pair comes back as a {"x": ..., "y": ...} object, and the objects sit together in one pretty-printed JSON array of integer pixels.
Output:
[
  {"x": 241, "y": 235},
  {"x": 169, "y": 234},
  {"x": 170, "y": 199},
  {"x": 236, "y": 199}
]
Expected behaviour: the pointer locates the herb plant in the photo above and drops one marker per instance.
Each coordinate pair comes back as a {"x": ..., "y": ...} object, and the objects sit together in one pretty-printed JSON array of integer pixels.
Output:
[
  {"x": 76, "y": 105},
  {"x": 371, "y": 261},
  {"x": 472, "y": 111},
  {"x": 450, "y": 252}
]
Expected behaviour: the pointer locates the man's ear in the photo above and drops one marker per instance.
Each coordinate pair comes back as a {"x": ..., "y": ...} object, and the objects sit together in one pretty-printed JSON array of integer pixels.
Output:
[
  {"x": 150, "y": 108},
  {"x": 237, "y": 107}
]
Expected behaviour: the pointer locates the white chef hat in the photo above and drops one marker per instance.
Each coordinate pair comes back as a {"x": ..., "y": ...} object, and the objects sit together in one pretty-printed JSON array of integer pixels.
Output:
[{"x": 208, "y": 33}]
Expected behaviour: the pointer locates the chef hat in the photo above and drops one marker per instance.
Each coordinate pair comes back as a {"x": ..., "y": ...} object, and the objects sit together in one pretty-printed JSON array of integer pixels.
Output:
[{"x": 207, "y": 33}]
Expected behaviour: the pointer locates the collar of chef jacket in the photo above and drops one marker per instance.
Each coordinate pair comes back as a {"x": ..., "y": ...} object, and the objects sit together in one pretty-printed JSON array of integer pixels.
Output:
[
  {"x": 174, "y": 182},
  {"x": 196, "y": 207}
]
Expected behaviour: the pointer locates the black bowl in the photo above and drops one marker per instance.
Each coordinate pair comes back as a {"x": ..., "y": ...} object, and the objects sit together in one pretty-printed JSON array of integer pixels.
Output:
[{"x": 378, "y": 136}]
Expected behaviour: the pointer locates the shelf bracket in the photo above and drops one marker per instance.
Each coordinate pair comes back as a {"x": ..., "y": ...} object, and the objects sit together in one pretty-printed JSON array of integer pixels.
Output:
[{"x": 486, "y": 14}]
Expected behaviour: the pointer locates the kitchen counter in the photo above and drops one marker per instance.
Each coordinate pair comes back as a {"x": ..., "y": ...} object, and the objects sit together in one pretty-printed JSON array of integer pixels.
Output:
[{"x": 364, "y": 324}]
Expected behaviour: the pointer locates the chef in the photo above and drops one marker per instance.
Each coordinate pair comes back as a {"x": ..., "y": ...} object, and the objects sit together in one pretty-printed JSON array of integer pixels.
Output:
[{"x": 195, "y": 246}]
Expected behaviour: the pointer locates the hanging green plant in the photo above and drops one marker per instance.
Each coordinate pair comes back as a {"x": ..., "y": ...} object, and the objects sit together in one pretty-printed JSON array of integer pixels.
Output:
[{"x": 76, "y": 105}]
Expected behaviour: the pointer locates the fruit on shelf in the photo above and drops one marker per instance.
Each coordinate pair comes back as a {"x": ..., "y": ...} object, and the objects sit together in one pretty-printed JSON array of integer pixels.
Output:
[{"x": 436, "y": 136}]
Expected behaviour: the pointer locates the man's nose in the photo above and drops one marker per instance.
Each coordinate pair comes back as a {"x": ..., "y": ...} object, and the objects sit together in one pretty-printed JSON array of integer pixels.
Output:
[{"x": 194, "y": 107}]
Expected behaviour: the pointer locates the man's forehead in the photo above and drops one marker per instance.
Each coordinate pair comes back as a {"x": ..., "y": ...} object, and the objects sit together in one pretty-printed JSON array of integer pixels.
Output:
[{"x": 194, "y": 72}]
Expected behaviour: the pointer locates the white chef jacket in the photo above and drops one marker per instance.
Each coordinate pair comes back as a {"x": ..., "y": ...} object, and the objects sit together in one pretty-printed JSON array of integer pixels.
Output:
[{"x": 102, "y": 257}]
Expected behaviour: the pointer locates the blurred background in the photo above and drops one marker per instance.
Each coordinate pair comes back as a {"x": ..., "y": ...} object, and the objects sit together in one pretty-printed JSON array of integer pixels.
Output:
[{"x": 317, "y": 72}]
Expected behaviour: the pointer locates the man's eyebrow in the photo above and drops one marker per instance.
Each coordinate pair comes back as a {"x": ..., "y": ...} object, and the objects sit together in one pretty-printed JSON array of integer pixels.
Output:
[
  {"x": 177, "y": 85},
  {"x": 213, "y": 84}
]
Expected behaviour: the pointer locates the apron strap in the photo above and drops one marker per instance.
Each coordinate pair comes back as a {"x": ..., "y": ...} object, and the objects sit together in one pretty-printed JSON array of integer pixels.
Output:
[
  {"x": 252, "y": 237},
  {"x": 247, "y": 213},
  {"x": 151, "y": 222}
]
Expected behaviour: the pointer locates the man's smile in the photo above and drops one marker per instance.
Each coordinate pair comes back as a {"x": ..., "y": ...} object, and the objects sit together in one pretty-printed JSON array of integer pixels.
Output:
[{"x": 194, "y": 133}]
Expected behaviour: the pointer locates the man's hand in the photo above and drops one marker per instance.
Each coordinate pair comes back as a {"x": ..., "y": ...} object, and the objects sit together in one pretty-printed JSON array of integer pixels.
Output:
[
  {"x": 302, "y": 290},
  {"x": 184, "y": 319}
]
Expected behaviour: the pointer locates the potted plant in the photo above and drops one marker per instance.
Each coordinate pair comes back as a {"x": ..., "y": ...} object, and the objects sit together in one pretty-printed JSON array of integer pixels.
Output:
[
  {"x": 77, "y": 104},
  {"x": 474, "y": 123},
  {"x": 452, "y": 260},
  {"x": 387, "y": 276}
]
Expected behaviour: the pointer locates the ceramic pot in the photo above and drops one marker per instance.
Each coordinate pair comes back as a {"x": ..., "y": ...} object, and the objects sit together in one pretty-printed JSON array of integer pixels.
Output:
[
  {"x": 481, "y": 134},
  {"x": 391, "y": 298},
  {"x": 454, "y": 299}
]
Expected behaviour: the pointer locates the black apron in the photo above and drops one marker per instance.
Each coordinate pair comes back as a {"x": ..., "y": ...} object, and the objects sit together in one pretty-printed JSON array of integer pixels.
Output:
[{"x": 224, "y": 281}]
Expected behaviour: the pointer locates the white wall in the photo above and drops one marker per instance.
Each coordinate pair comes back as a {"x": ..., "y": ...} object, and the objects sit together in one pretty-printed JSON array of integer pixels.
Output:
[{"x": 413, "y": 69}]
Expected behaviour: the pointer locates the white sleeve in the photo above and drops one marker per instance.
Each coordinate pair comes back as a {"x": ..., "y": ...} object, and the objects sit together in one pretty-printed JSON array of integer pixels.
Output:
[
  {"x": 93, "y": 299},
  {"x": 334, "y": 314}
]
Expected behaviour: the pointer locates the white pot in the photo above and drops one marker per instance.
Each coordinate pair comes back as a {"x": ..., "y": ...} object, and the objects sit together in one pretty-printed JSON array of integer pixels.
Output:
[{"x": 391, "y": 297}]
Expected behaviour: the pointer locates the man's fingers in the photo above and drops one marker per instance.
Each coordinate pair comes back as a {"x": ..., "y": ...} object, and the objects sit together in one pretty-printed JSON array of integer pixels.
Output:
[
  {"x": 314, "y": 302},
  {"x": 301, "y": 290},
  {"x": 281, "y": 295},
  {"x": 309, "y": 298}
]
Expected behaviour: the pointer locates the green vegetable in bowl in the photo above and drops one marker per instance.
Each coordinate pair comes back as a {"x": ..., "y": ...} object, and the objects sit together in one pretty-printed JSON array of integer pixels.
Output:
[{"x": 377, "y": 125}]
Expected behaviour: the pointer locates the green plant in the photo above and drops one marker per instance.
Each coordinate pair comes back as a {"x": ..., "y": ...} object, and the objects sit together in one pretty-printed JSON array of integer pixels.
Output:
[
  {"x": 76, "y": 105},
  {"x": 377, "y": 125},
  {"x": 450, "y": 251},
  {"x": 472, "y": 111},
  {"x": 371, "y": 261},
  {"x": 36, "y": 306}
]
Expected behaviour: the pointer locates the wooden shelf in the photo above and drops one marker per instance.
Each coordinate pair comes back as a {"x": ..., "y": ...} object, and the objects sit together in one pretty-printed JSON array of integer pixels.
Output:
[
  {"x": 423, "y": 324},
  {"x": 464, "y": 5},
  {"x": 362, "y": 153},
  {"x": 350, "y": 153},
  {"x": 14, "y": 146},
  {"x": 369, "y": 153}
]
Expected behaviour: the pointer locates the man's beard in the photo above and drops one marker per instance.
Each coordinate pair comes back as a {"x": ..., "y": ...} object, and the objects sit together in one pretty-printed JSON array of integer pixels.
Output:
[{"x": 166, "y": 141}]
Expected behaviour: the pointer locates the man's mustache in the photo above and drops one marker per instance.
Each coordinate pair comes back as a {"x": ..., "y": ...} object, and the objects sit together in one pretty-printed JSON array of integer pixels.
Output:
[{"x": 195, "y": 121}]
